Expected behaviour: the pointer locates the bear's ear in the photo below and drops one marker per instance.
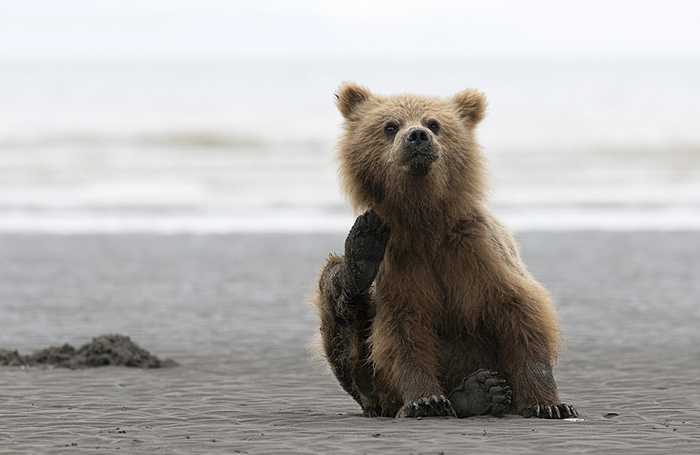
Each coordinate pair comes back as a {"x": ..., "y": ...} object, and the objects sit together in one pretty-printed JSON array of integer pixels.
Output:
[
  {"x": 471, "y": 105},
  {"x": 349, "y": 96}
]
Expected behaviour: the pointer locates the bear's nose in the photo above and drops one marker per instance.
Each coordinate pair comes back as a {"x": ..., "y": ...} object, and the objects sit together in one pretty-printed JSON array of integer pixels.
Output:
[{"x": 418, "y": 137}]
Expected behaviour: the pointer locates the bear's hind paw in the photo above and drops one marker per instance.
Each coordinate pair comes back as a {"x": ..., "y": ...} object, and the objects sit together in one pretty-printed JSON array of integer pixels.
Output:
[
  {"x": 364, "y": 250},
  {"x": 482, "y": 393}
]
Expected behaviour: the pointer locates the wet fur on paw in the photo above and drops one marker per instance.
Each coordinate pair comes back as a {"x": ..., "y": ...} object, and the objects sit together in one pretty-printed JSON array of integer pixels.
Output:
[
  {"x": 364, "y": 250},
  {"x": 482, "y": 393},
  {"x": 551, "y": 411},
  {"x": 433, "y": 406}
]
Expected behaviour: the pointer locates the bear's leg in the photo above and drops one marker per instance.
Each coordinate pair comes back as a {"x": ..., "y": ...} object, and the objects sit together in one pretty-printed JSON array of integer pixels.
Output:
[
  {"x": 344, "y": 325},
  {"x": 419, "y": 389},
  {"x": 405, "y": 354},
  {"x": 482, "y": 393},
  {"x": 528, "y": 334},
  {"x": 346, "y": 310}
]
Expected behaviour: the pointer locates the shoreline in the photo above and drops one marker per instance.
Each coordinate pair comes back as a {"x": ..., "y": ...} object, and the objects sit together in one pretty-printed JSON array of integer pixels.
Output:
[{"x": 334, "y": 220}]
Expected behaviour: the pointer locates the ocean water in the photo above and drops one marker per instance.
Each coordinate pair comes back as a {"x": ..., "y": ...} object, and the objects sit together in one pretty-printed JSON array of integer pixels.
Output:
[{"x": 227, "y": 146}]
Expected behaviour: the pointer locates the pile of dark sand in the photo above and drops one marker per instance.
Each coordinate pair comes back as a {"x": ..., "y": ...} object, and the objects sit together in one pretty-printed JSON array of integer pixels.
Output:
[{"x": 105, "y": 350}]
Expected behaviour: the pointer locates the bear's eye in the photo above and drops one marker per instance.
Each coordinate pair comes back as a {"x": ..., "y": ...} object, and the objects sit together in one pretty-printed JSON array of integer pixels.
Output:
[
  {"x": 391, "y": 128},
  {"x": 434, "y": 126}
]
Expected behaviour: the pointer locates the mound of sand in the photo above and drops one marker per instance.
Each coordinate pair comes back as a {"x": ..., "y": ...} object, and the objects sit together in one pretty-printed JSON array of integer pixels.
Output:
[{"x": 105, "y": 350}]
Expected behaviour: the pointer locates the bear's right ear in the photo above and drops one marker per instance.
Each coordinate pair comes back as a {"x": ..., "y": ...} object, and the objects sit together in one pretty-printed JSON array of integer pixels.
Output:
[{"x": 349, "y": 96}]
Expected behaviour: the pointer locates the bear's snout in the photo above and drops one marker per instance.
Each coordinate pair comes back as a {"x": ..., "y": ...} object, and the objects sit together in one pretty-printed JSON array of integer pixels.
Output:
[
  {"x": 418, "y": 139},
  {"x": 418, "y": 151}
]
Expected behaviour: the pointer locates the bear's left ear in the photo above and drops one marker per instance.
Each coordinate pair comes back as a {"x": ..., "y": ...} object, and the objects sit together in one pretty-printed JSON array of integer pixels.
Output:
[
  {"x": 349, "y": 96},
  {"x": 471, "y": 105}
]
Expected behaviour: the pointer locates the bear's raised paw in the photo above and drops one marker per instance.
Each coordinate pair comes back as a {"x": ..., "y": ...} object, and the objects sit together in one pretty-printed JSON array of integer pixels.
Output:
[{"x": 364, "y": 250}]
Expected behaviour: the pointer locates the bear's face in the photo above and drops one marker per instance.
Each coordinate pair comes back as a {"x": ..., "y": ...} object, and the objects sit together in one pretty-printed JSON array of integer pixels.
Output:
[{"x": 400, "y": 150}]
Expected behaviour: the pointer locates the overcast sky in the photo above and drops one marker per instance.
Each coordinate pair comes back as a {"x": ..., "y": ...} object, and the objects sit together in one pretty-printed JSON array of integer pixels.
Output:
[{"x": 359, "y": 28}]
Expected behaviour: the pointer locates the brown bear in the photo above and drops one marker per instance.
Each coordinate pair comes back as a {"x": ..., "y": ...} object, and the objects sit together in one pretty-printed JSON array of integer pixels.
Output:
[{"x": 431, "y": 311}]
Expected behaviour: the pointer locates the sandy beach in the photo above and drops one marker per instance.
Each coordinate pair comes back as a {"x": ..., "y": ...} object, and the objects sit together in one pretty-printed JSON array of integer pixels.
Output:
[{"x": 230, "y": 309}]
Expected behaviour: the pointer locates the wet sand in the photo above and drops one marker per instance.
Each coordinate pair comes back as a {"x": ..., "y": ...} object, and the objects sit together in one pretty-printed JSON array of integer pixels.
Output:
[
  {"x": 230, "y": 310},
  {"x": 102, "y": 351}
]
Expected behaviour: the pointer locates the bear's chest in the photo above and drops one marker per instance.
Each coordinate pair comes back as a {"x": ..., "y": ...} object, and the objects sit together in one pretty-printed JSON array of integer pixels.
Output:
[{"x": 443, "y": 275}]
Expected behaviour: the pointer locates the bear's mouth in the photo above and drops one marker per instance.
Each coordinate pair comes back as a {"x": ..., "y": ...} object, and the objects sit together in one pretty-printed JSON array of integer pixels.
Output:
[
  {"x": 419, "y": 164},
  {"x": 418, "y": 151}
]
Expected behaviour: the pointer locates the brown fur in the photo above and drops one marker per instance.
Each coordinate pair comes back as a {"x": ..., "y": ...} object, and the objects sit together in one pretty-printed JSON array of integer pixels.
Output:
[{"x": 452, "y": 294}]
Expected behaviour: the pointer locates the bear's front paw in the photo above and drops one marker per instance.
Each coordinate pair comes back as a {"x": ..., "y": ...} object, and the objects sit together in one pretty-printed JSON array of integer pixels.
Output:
[
  {"x": 433, "y": 406},
  {"x": 364, "y": 251},
  {"x": 551, "y": 411}
]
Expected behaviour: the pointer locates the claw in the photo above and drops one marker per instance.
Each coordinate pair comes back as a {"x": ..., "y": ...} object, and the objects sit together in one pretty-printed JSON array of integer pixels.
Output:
[
  {"x": 549, "y": 411},
  {"x": 556, "y": 412},
  {"x": 537, "y": 410}
]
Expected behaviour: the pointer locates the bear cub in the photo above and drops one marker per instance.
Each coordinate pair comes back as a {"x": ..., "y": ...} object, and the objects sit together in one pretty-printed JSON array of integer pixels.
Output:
[{"x": 430, "y": 311}]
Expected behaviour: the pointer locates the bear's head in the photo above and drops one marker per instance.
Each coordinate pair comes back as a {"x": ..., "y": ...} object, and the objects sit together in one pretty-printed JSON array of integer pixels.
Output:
[{"x": 407, "y": 155}]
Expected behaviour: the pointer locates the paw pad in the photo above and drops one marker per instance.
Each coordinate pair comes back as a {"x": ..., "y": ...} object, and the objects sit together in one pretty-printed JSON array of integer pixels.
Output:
[{"x": 482, "y": 393}]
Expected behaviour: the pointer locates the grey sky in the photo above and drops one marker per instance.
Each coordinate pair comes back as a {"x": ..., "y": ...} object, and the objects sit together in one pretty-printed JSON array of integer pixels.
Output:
[{"x": 376, "y": 29}]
